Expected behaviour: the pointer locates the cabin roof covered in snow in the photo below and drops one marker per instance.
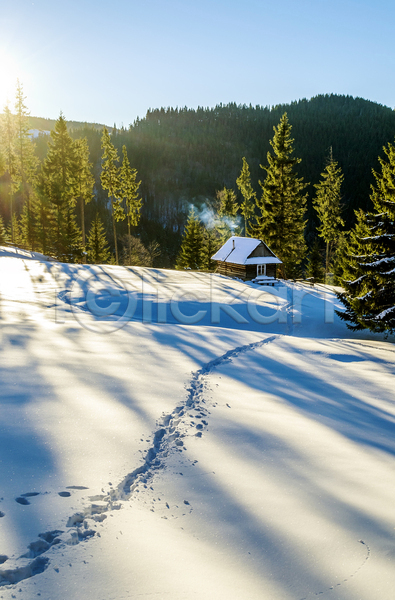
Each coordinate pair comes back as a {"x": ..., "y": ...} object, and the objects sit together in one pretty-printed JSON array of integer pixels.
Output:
[{"x": 237, "y": 250}]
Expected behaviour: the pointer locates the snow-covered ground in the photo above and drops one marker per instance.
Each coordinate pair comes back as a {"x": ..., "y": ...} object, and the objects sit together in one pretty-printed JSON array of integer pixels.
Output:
[{"x": 182, "y": 435}]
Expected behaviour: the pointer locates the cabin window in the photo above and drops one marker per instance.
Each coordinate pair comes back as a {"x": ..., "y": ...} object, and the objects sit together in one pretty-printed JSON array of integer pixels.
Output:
[{"x": 261, "y": 269}]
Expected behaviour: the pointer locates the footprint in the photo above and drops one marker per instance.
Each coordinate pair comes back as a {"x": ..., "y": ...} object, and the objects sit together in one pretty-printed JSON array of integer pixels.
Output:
[
  {"x": 76, "y": 487},
  {"x": 64, "y": 494},
  {"x": 2, "y": 514},
  {"x": 3, "y": 558},
  {"x": 30, "y": 494},
  {"x": 22, "y": 500},
  {"x": 50, "y": 536}
]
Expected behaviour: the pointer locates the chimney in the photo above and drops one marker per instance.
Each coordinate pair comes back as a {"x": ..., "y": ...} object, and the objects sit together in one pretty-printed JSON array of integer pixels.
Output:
[{"x": 233, "y": 244}]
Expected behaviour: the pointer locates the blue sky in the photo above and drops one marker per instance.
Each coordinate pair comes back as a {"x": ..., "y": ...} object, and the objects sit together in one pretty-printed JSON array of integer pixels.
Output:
[{"x": 109, "y": 61}]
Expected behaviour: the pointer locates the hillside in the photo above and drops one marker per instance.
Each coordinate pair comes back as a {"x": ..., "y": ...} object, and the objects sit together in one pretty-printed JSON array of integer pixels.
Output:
[
  {"x": 183, "y": 156},
  {"x": 44, "y": 124},
  {"x": 234, "y": 443},
  {"x": 186, "y": 155}
]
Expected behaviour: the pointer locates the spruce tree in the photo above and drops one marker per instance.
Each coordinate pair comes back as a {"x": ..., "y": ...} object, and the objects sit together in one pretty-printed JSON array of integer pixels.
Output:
[
  {"x": 3, "y": 233},
  {"x": 2, "y": 161},
  {"x": 109, "y": 178},
  {"x": 43, "y": 214},
  {"x": 247, "y": 207},
  {"x": 72, "y": 236},
  {"x": 84, "y": 180},
  {"x": 315, "y": 268},
  {"x": 227, "y": 203},
  {"x": 282, "y": 206},
  {"x": 98, "y": 251},
  {"x": 26, "y": 166},
  {"x": 369, "y": 274},
  {"x": 328, "y": 207},
  {"x": 190, "y": 255},
  {"x": 8, "y": 136},
  {"x": 14, "y": 229},
  {"x": 211, "y": 244},
  {"x": 227, "y": 213},
  {"x": 59, "y": 185},
  {"x": 339, "y": 257},
  {"x": 129, "y": 192},
  {"x": 355, "y": 280}
]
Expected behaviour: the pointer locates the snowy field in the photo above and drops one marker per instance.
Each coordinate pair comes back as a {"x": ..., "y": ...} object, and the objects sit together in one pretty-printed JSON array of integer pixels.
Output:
[{"x": 186, "y": 436}]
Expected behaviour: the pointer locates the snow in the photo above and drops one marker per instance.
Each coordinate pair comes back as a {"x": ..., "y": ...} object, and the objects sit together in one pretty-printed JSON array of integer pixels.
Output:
[
  {"x": 376, "y": 263},
  {"x": 236, "y": 250},
  {"x": 386, "y": 312},
  {"x": 189, "y": 436},
  {"x": 37, "y": 132},
  {"x": 262, "y": 260}
]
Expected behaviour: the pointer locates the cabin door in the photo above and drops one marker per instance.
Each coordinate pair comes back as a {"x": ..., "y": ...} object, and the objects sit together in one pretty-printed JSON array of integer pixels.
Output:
[{"x": 261, "y": 269}]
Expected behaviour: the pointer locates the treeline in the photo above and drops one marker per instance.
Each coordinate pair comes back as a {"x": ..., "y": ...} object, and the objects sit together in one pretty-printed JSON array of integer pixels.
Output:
[
  {"x": 185, "y": 156},
  {"x": 300, "y": 194},
  {"x": 277, "y": 214},
  {"x": 46, "y": 199}
]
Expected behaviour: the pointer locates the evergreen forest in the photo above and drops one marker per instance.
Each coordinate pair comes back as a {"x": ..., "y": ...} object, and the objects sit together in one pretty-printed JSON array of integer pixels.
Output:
[{"x": 184, "y": 157}]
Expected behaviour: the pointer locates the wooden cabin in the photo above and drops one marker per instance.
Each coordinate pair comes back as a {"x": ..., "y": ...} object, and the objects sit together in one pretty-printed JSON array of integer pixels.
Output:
[{"x": 246, "y": 258}]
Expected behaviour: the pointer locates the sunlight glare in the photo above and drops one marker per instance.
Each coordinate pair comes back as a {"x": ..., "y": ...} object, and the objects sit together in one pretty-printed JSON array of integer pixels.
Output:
[{"x": 9, "y": 73}]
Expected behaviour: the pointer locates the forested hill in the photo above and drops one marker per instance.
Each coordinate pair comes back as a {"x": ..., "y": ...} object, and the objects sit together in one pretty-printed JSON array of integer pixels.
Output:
[
  {"x": 184, "y": 155},
  {"x": 192, "y": 153},
  {"x": 43, "y": 124}
]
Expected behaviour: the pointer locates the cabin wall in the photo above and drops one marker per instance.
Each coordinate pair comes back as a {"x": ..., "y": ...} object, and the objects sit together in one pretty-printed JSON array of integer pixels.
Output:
[
  {"x": 244, "y": 272},
  {"x": 231, "y": 270},
  {"x": 250, "y": 271}
]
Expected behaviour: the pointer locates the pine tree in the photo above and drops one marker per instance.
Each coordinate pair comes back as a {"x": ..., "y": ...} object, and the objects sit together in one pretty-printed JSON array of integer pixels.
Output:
[
  {"x": 110, "y": 181},
  {"x": 282, "y": 206},
  {"x": 8, "y": 136},
  {"x": 98, "y": 251},
  {"x": 339, "y": 257},
  {"x": 211, "y": 244},
  {"x": 227, "y": 203},
  {"x": 26, "y": 166},
  {"x": 227, "y": 213},
  {"x": 14, "y": 229},
  {"x": 190, "y": 255},
  {"x": 249, "y": 196},
  {"x": 328, "y": 207},
  {"x": 84, "y": 180},
  {"x": 72, "y": 236},
  {"x": 43, "y": 224},
  {"x": 355, "y": 280},
  {"x": 59, "y": 185},
  {"x": 3, "y": 233},
  {"x": 369, "y": 274},
  {"x": 129, "y": 191},
  {"x": 2, "y": 161},
  {"x": 315, "y": 268}
]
